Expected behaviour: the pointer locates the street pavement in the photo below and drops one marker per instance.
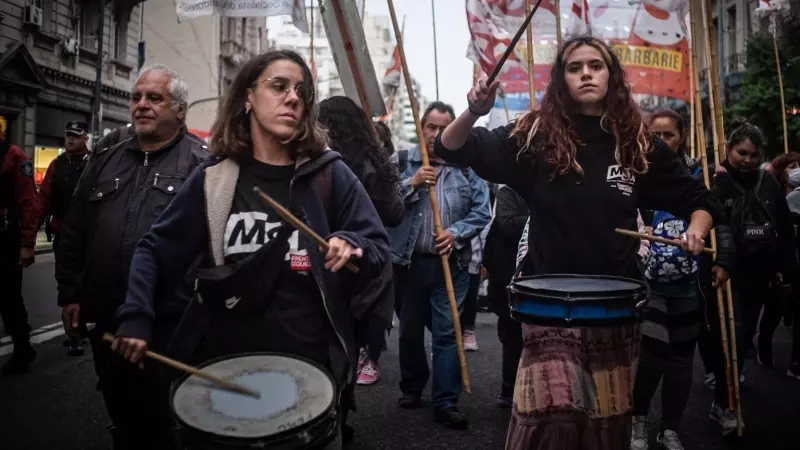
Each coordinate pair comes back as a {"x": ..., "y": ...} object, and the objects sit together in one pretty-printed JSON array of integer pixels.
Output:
[{"x": 55, "y": 406}]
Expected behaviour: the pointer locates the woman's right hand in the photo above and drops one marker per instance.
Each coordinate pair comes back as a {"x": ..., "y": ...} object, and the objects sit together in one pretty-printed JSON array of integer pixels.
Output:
[
  {"x": 130, "y": 348},
  {"x": 482, "y": 96}
]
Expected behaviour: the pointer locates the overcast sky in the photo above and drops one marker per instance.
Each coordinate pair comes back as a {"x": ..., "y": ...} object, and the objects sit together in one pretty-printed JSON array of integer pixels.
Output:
[{"x": 455, "y": 70}]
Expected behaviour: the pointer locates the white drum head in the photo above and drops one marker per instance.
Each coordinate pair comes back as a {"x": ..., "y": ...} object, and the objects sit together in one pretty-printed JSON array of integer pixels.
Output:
[{"x": 293, "y": 393}]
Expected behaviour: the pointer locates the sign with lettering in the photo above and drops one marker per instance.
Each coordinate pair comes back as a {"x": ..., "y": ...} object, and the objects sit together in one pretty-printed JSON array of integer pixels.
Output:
[{"x": 190, "y": 9}]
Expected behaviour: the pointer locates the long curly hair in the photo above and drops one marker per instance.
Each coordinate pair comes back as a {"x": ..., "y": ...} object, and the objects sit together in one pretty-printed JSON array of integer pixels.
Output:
[
  {"x": 351, "y": 133},
  {"x": 561, "y": 140}
]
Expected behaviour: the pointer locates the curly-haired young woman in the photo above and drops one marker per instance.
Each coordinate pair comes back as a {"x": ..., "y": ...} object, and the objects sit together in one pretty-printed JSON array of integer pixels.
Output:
[{"x": 584, "y": 162}]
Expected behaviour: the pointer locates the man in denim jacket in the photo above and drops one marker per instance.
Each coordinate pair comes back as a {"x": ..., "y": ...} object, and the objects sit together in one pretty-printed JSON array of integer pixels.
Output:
[{"x": 463, "y": 201}]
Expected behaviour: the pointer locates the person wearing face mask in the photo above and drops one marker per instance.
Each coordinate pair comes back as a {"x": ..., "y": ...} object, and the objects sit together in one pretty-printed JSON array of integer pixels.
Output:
[
  {"x": 298, "y": 302},
  {"x": 584, "y": 163},
  {"x": 674, "y": 317},
  {"x": 759, "y": 217},
  {"x": 122, "y": 190}
]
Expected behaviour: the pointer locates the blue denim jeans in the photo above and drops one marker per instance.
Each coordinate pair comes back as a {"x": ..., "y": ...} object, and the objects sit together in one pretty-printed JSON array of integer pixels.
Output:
[{"x": 426, "y": 303}]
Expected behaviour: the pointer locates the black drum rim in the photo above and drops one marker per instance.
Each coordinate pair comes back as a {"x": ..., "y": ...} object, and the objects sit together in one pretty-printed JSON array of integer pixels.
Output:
[{"x": 281, "y": 438}]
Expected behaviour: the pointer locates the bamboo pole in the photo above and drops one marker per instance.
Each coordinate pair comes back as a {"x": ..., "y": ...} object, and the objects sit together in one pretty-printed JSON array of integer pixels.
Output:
[
  {"x": 713, "y": 81},
  {"x": 351, "y": 57},
  {"x": 435, "y": 51},
  {"x": 311, "y": 46},
  {"x": 719, "y": 153},
  {"x": 701, "y": 148},
  {"x": 692, "y": 102},
  {"x": 780, "y": 84},
  {"x": 437, "y": 220},
  {"x": 531, "y": 64},
  {"x": 558, "y": 23},
  {"x": 505, "y": 106}
]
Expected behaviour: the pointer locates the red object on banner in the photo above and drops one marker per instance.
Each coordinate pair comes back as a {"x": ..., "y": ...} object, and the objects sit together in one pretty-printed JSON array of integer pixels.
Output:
[
  {"x": 391, "y": 82},
  {"x": 656, "y": 55},
  {"x": 649, "y": 37}
]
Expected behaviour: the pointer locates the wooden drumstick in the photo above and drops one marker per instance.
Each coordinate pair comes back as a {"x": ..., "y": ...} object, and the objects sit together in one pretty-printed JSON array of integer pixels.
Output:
[
  {"x": 660, "y": 240},
  {"x": 108, "y": 337},
  {"x": 297, "y": 223},
  {"x": 513, "y": 44}
]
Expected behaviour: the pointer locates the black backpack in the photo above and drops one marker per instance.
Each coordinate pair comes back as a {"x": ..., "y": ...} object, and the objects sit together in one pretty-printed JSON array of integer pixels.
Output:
[{"x": 752, "y": 224}]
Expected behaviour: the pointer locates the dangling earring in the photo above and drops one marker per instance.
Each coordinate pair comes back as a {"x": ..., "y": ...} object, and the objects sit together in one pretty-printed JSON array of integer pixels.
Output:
[{"x": 247, "y": 110}]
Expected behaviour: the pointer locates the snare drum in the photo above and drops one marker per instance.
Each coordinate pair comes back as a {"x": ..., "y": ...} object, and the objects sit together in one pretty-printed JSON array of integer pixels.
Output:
[
  {"x": 576, "y": 300},
  {"x": 297, "y": 408}
]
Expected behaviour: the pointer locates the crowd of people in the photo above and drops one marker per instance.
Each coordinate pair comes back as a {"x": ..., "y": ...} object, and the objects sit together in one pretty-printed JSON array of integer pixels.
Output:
[{"x": 165, "y": 242}]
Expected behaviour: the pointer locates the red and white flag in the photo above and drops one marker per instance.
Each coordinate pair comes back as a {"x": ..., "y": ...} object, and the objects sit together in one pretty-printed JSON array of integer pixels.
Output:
[{"x": 391, "y": 83}]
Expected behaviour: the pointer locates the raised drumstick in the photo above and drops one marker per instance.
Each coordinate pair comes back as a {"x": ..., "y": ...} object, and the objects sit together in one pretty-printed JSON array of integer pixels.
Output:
[
  {"x": 297, "y": 223},
  {"x": 660, "y": 240},
  {"x": 513, "y": 44},
  {"x": 108, "y": 337}
]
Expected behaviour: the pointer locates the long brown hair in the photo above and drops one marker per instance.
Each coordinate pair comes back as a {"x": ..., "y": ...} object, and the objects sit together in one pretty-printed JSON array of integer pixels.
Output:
[
  {"x": 230, "y": 134},
  {"x": 621, "y": 118}
]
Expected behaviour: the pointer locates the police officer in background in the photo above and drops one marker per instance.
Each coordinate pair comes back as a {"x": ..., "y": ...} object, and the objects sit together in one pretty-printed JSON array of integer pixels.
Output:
[
  {"x": 124, "y": 188},
  {"x": 55, "y": 193},
  {"x": 19, "y": 216}
]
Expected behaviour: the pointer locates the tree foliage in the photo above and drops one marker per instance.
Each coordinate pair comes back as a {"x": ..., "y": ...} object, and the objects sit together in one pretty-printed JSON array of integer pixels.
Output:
[{"x": 760, "y": 101}]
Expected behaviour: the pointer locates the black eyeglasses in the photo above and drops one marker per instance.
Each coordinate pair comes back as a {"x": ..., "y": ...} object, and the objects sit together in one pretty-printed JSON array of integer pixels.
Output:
[{"x": 281, "y": 86}]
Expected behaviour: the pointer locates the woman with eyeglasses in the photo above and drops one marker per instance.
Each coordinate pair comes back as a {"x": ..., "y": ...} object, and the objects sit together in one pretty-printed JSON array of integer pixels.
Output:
[{"x": 299, "y": 300}]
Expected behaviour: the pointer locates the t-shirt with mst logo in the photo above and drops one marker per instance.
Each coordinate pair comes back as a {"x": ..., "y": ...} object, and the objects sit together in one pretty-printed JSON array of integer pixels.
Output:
[{"x": 296, "y": 321}]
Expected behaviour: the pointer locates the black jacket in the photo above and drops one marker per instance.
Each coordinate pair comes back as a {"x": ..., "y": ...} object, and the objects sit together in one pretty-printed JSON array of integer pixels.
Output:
[
  {"x": 120, "y": 194},
  {"x": 511, "y": 213},
  {"x": 772, "y": 196},
  {"x": 193, "y": 227}
]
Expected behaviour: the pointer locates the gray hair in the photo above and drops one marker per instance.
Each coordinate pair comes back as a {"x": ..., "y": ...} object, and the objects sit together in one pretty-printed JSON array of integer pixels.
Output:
[{"x": 177, "y": 87}]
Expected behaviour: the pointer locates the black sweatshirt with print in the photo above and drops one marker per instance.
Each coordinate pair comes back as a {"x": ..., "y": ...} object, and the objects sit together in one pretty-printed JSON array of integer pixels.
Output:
[{"x": 572, "y": 217}]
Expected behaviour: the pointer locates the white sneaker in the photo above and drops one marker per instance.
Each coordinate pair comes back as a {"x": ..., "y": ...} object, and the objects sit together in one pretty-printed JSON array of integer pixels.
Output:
[
  {"x": 726, "y": 419},
  {"x": 710, "y": 381},
  {"x": 669, "y": 440},
  {"x": 639, "y": 435},
  {"x": 470, "y": 342}
]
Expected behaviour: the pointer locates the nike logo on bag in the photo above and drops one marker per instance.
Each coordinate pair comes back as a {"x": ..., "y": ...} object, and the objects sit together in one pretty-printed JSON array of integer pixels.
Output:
[{"x": 231, "y": 302}]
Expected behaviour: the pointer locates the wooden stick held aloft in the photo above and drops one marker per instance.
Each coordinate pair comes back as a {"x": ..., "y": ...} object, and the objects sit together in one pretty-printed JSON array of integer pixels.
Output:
[
  {"x": 513, "y": 44},
  {"x": 437, "y": 220},
  {"x": 292, "y": 220},
  {"x": 660, "y": 240},
  {"x": 108, "y": 337}
]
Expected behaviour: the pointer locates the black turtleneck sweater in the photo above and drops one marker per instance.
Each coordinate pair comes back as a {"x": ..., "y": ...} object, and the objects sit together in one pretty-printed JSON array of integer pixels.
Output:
[{"x": 572, "y": 217}]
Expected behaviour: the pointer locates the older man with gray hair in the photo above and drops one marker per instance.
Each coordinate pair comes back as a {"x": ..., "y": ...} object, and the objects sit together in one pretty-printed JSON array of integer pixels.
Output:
[{"x": 124, "y": 188}]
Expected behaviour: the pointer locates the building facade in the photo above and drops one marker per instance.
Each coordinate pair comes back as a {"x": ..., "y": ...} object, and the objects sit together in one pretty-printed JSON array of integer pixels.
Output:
[
  {"x": 48, "y": 61},
  {"x": 206, "y": 51}
]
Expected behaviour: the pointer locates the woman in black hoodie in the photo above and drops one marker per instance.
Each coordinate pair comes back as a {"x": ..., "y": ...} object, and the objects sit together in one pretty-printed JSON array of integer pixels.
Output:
[
  {"x": 351, "y": 133},
  {"x": 759, "y": 217}
]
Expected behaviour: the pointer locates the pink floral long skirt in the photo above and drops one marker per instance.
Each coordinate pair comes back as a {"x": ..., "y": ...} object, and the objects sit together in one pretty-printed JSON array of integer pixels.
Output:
[{"x": 574, "y": 389}]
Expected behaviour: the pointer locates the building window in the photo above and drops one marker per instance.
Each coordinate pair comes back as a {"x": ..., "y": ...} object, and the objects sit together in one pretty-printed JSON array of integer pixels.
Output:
[
  {"x": 89, "y": 20},
  {"x": 244, "y": 34},
  {"x": 732, "y": 31},
  {"x": 121, "y": 36}
]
